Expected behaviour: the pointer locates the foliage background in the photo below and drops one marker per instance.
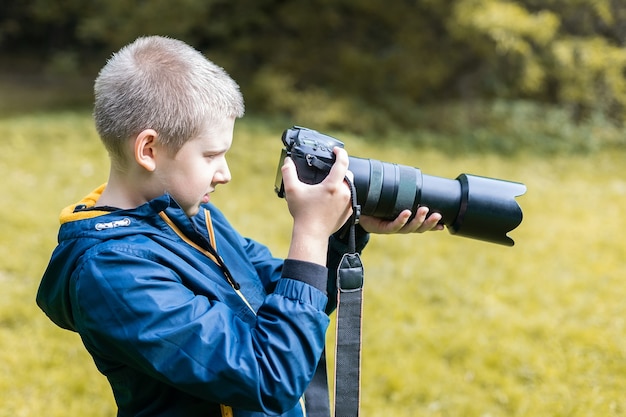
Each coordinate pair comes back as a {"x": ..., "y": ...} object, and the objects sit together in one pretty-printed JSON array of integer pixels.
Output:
[{"x": 370, "y": 61}]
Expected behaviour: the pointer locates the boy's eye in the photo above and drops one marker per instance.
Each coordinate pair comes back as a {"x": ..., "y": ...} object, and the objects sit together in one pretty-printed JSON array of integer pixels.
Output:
[{"x": 212, "y": 156}]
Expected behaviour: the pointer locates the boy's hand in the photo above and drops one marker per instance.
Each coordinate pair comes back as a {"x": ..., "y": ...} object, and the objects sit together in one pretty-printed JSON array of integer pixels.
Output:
[
  {"x": 420, "y": 223},
  {"x": 318, "y": 210}
]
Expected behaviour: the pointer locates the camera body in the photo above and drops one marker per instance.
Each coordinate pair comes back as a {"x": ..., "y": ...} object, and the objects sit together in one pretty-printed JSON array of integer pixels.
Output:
[
  {"x": 471, "y": 206},
  {"x": 311, "y": 152}
]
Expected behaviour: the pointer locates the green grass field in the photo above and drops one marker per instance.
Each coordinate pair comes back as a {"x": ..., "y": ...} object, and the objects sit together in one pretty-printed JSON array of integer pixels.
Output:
[{"x": 452, "y": 326}]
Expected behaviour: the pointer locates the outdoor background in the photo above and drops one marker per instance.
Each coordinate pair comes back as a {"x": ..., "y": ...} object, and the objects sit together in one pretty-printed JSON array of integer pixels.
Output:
[{"x": 530, "y": 91}]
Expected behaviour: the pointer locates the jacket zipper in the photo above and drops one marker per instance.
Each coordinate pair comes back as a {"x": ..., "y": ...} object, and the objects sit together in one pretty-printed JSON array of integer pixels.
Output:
[{"x": 211, "y": 253}]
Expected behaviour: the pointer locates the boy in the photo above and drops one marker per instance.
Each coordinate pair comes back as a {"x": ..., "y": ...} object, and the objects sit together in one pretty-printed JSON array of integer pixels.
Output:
[{"x": 184, "y": 316}]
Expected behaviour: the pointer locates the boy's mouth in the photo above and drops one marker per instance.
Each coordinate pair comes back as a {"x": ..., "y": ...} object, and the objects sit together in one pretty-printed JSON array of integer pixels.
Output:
[{"x": 207, "y": 196}]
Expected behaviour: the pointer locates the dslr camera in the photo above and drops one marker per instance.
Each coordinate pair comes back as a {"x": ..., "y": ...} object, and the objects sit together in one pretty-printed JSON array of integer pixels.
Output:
[{"x": 471, "y": 206}]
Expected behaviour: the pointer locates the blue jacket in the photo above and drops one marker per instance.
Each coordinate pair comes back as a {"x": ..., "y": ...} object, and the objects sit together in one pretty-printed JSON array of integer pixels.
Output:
[{"x": 177, "y": 329}]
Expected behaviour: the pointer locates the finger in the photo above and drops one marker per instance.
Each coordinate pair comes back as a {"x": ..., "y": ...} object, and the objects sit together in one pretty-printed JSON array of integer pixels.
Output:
[
  {"x": 431, "y": 222},
  {"x": 421, "y": 214},
  {"x": 420, "y": 217},
  {"x": 340, "y": 167},
  {"x": 399, "y": 224},
  {"x": 402, "y": 219},
  {"x": 422, "y": 222},
  {"x": 289, "y": 173}
]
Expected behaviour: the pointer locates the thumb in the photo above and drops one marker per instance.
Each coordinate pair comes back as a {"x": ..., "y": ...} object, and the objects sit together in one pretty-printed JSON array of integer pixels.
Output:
[{"x": 289, "y": 173}]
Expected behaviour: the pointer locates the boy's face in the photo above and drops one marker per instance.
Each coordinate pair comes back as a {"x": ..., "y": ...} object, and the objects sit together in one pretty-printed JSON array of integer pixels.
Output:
[{"x": 192, "y": 174}]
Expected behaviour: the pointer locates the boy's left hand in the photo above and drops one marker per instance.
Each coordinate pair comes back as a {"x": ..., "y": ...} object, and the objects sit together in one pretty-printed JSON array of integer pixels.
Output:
[{"x": 420, "y": 223}]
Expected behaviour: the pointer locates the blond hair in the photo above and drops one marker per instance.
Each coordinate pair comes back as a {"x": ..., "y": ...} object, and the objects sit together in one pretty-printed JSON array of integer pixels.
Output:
[{"x": 162, "y": 84}]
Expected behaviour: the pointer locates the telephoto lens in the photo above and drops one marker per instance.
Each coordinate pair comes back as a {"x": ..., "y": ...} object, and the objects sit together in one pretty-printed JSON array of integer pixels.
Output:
[{"x": 471, "y": 206}]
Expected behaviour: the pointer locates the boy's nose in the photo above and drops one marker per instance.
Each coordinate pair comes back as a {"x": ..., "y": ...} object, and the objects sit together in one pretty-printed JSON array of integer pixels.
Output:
[{"x": 222, "y": 175}]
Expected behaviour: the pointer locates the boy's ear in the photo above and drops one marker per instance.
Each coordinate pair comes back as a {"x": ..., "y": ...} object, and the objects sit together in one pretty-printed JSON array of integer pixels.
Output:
[{"x": 145, "y": 149}]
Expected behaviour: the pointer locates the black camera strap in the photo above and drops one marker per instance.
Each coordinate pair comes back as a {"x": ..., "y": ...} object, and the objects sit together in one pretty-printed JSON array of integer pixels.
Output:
[
  {"x": 348, "y": 344},
  {"x": 349, "y": 323},
  {"x": 348, "y": 335}
]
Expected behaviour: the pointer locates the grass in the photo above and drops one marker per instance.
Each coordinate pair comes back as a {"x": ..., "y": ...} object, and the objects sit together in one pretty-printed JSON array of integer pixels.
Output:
[{"x": 452, "y": 326}]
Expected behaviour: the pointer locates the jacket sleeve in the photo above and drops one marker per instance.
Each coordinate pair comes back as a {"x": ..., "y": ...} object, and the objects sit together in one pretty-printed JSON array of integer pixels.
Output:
[
  {"x": 337, "y": 247},
  {"x": 143, "y": 316}
]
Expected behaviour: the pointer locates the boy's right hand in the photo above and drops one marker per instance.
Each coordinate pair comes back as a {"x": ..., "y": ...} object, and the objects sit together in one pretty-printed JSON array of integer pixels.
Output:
[{"x": 318, "y": 210}]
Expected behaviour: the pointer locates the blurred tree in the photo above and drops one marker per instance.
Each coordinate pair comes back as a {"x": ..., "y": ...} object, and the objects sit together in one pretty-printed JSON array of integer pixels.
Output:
[
  {"x": 509, "y": 39},
  {"x": 114, "y": 23},
  {"x": 389, "y": 55},
  {"x": 569, "y": 51}
]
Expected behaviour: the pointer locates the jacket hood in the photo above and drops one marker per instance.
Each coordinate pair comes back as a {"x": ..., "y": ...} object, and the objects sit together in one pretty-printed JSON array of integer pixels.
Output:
[{"x": 82, "y": 227}]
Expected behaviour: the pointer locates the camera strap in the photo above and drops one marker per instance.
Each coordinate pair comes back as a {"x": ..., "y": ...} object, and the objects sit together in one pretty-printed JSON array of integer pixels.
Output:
[
  {"x": 349, "y": 322},
  {"x": 348, "y": 339},
  {"x": 348, "y": 319}
]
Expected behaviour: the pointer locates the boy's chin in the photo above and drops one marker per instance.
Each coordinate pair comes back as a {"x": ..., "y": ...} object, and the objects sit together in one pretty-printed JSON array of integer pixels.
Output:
[{"x": 192, "y": 211}]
